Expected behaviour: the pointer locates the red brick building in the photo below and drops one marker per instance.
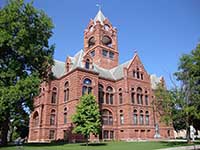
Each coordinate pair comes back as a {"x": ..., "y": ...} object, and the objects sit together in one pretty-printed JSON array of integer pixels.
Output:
[{"x": 124, "y": 92}]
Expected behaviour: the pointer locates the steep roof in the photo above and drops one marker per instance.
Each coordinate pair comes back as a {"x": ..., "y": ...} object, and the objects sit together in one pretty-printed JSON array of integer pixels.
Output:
[
  {"x": 99, "y": 17},
  {"x": 114, "y": 74}
]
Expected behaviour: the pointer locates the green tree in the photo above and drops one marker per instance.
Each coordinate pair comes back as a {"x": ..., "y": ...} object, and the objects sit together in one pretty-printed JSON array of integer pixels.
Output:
[
  {"x": 181, "y": 105},
  {"x": 189, "y": 76},
  {"x": 25, "y": 60},
  {"x": 87, "y": 116}
]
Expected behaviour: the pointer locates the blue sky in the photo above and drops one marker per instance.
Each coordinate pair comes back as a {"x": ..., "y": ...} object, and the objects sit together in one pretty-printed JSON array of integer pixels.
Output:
[{"x": 160, "y": 30}]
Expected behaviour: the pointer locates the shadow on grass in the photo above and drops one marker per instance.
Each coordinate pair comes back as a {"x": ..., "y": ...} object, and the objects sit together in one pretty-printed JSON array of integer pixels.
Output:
[
  {"x": 94, "y": 144},
  {"x": 174, "y": 144}
]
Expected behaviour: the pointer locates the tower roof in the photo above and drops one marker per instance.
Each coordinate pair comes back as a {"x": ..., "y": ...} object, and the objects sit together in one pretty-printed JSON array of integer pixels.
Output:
[{"x": 99, "y": 17}]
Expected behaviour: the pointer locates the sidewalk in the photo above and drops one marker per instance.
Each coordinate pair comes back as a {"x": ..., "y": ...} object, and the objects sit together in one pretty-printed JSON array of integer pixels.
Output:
[{"x": 196, "y": 147}]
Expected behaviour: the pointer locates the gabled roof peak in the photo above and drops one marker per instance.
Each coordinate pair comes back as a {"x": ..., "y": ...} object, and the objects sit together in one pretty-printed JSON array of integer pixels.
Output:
[{"x": 99, "y": 17}]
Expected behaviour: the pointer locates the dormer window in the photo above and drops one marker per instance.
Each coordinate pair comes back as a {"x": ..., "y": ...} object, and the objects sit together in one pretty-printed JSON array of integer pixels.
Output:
[
  {"x": 67, "y": 67},
  {"x": 91, "y": 28},
  {"x": 87, "y": 64},
  {"x": 106, "y": 27}
]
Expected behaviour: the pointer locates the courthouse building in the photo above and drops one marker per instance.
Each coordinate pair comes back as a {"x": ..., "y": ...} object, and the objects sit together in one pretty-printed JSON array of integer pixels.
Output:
[{"x": 124, "y": 92}]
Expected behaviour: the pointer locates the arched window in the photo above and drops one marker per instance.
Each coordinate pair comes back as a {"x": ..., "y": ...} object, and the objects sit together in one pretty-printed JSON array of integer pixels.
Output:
[
  {"x": 138, "y": 73},
  {"x": 91, "y": 42},
  {"x": 54, "y": 95},
  {"x": 87, "y": 64},
  {"x": 101, "y": 94},
  {"x": 107, "y": 117},
  {"x": 132, "y": 96},
  {"x": 141, "y": 117},
  {"x": 65, "y": 115},
  {"x": 139, "y": 96},
  {"x": 135, "y": 117},
  {"x": 147, "y": 118},
  {"x": 106, "y": 27},
  {"x": 86, "y": 89},
  {"x": 36, "y": 119},
  {"x": 121, "y": 117},
  {"x": 106, "y": 40},
  {"x": 120, "y": 96},
  {"x": 91, "y": 28},
  {"x": 52, "y": 117},
  {"x": 109, "y": 95},
  {"x": 146, "y": 100},
  {"x": 66, "y": 91},
  {"x": 134, "y": 74}
]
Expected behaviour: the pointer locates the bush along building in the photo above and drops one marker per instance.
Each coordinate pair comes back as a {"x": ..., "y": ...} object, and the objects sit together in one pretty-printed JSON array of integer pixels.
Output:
[{"x": 124, "y": 92}]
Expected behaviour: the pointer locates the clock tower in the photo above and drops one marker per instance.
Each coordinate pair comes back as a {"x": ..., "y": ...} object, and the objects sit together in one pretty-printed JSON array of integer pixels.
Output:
[{"x": 100, "y": 42}]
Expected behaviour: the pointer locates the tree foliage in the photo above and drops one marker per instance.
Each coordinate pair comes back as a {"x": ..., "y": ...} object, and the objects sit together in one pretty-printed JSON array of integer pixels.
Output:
[
  {"x": 25, "y": 59},
  {"x": 183, "y": 100},
  {"x": 87, "y": 116}
]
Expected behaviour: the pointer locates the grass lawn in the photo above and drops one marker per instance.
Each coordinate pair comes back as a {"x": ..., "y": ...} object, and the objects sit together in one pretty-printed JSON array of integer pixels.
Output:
[{"x": 100, "y": 146}]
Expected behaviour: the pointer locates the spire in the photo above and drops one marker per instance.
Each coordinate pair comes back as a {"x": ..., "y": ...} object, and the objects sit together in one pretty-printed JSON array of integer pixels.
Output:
[{"x": 99, "y": 17}]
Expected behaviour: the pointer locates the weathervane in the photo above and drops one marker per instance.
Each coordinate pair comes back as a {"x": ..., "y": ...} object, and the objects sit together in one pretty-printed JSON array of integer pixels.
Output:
[{"x": 98, "y": 5}]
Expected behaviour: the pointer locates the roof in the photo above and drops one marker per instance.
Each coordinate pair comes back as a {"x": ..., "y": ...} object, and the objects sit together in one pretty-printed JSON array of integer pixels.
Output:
[
  {"x": 114, "y": 74},
  {"x": 99, "y": 17}
]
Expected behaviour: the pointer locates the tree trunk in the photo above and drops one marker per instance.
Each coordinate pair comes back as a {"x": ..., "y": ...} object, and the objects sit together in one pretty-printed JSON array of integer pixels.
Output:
[
  {"x": 188, "y": 132},
  {"x": 4, "y": 132}
]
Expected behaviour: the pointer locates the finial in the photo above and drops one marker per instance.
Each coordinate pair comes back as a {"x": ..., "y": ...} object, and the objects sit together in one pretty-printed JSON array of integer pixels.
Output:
[
  {"x": 98, "y": 5},
  {"x": 135, "y": 51}
]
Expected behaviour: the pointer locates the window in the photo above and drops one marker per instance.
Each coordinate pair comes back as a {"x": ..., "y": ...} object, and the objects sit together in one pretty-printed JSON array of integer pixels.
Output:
[
  {"x": 142, "y": 76},
  {"x": 65, "y": 115},
  {"x": 106, "y": 27},
  {"x": 111, "y": 55},
  {"x": 141, "y": 117},
  {"x": 101, "y": 94},
  {"x": 146, "y": 100},
  {"x": 91, "y": 28},
  {"x": 66, "y": 91},
  {"x": 135, "y": 117},
  {"x": 147, "y": 118},
  {"x": 67, "y": 67},
  {"x": 87, "y": 64},
  {"x": 51, "y": 134},
  {"x": 107, "y": 117},
  {"x": 36, "y": 119},
  {"x": 139, "y": 96},
  {"x": 92, "y": 53},
  {"x": 107, "y": 41},
  {"x": 133, "y": 97},
  {"x": 109, "y": 95},
  {"x": 104, "y": 53},
  {"x": 120, "y": 96},
  {"x": 52, "y": 117},
  {"x": 134, "y": 73},
  {"x": 105, "y": 134},
  {"x": 138, "y": 75},
  {"x": 91, "y": 42},
  {"x": 111, "y": 134},
  {"x": 86, "y": 89},
  {"x": 54, "y": 95},
  {"x": 121, "y": 119}
]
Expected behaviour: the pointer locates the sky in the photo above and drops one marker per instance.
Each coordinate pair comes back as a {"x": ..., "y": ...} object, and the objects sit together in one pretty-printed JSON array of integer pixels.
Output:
[{"x": 160, "y": 30}]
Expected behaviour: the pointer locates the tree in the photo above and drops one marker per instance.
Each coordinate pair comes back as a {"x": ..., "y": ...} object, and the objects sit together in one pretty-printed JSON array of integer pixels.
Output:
[
  {"x": 189, "y": 76},
  {"x": 182, "y": 103},
  {"x": 87, "y": 117},
  {"x": 25, "y": 60}
]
